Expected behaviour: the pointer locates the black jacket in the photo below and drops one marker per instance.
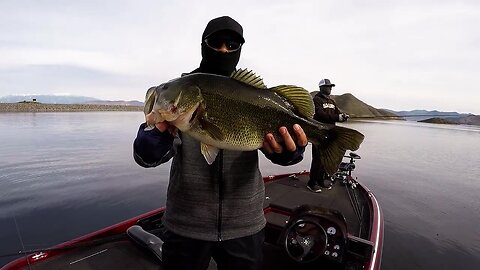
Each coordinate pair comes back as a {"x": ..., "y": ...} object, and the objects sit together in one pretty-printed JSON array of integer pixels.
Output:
[{"x": 326, "y": 110}]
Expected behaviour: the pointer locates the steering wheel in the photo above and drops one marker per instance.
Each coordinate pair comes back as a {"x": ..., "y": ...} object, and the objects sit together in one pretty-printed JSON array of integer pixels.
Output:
[{"x": 305, "y": 240}]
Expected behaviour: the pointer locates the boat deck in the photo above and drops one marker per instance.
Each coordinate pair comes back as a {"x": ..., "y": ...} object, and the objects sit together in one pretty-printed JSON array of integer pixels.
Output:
[
  {"x": 282, "y": 195},
  {"x": 290, "y": 192}
]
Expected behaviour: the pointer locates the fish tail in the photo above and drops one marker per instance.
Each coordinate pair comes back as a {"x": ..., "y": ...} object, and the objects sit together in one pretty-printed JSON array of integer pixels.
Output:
[{"x": 336, "y": 142}]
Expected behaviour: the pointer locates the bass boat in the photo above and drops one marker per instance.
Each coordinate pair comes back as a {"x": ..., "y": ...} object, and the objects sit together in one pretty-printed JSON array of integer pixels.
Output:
[{"x": 338, "y": 228}]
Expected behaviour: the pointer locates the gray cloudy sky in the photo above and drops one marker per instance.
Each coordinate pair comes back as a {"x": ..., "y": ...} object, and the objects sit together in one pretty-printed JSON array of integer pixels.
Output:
[{"x": 400, "y": 55}]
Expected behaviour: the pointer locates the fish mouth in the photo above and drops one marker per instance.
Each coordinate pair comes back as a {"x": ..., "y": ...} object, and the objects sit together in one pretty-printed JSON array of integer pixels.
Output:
[
  {"x": 183, "y": 120},
  {"x": 171, "y": 111}
]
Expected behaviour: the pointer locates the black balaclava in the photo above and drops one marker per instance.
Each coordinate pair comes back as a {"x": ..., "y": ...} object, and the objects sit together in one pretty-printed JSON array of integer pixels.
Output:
[{"x": 217, "y": 62}]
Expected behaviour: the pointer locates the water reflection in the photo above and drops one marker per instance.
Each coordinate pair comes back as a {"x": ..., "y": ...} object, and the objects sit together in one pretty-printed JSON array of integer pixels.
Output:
[
  {"x": 63, "y": 175},
  {"x": 405, "y": 248}
]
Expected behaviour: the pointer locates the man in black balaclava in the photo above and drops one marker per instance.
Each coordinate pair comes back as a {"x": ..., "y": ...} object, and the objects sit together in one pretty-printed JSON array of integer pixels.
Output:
[
  {"x": 215, "y": 59},
  {"x": 214, "y": 211}
]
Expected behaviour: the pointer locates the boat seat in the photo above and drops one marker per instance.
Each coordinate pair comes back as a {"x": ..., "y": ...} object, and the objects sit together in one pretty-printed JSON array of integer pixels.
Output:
[
  {"x": 146, "y": 240},
  {"x": 153, "y": 243}
]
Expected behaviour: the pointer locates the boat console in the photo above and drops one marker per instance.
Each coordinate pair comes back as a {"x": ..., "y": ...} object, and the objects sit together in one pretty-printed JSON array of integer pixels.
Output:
[
  {"x": 307, "y": 234},
  {"x": 314, "y": 232}
]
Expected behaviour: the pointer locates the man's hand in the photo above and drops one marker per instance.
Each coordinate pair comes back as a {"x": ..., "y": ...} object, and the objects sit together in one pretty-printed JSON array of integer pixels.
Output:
[
  {"x": 162, "y": 126},
  {"x": 270, "y": 145},
  {"x": 343, "y": 117}
]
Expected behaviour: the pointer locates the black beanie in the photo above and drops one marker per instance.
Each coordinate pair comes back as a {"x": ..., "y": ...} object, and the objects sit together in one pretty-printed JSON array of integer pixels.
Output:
[{"x": 223, "y": 23}]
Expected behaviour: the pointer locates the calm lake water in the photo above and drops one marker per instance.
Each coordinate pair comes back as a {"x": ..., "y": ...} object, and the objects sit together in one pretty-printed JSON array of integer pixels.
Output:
[{"x": 63, "y": 175}]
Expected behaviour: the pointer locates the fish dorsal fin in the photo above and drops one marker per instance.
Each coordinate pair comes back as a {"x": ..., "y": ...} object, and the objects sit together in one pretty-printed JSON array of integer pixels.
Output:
[
  {"x": 297, "y": 96},
  {"x": 248, "y": 77}
]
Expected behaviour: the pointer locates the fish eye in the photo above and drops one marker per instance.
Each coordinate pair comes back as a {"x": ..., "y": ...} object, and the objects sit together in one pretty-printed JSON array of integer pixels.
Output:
[{"x": 163, "y": 86}]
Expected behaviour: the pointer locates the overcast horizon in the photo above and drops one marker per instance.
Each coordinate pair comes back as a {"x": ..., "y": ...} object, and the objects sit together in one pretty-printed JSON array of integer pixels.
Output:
[{"x": 399, "y": 55}]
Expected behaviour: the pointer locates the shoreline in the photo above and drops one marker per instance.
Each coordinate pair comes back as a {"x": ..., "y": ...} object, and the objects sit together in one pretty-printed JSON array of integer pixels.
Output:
[{"x": 41, "y": 107}]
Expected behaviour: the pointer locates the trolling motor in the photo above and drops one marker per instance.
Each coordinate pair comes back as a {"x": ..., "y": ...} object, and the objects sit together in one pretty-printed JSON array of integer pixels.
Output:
[
  {"x": 349, "y": 166},
  {"x": 345, "y": 169}
]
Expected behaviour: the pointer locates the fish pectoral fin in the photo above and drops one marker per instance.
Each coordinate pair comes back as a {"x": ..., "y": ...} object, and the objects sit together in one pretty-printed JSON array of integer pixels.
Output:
[
  {"x": 213, "y": 130},
  {"x": 209, "y": 152}
]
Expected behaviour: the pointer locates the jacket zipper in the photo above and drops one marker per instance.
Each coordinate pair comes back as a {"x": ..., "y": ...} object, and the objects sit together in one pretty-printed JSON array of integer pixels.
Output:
[{"x": 220, "y": 194}]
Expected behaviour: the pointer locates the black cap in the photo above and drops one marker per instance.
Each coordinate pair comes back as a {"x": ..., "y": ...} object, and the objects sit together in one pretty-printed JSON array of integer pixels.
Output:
[
  {"x": 325, "y": 82},
  {"x": 223, "y": 23}
]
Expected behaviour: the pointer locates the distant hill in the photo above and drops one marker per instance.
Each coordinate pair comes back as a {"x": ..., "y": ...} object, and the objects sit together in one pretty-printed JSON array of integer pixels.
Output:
[
  {"x": 467, "y": 120},
  {"x": 66, "y": 99},
  {"x": 463, "y": 120},
  {"x": 417, "y": 115},
  {"x": 437, "y": 120},
  {"x": 351, "y": 105},
  {"x": 358, "y": 109},
  {"x": 438, "y": 117}
]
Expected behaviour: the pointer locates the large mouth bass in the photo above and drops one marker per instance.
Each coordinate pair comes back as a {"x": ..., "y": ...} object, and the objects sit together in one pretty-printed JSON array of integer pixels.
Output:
[{"x": 236, "y": 112}]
